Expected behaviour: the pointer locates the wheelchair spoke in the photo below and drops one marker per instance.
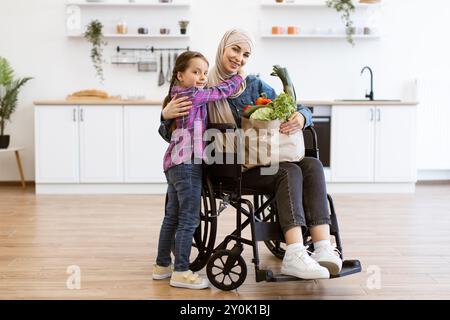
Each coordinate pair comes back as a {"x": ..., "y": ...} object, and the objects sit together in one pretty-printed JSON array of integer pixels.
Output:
[{"x": 231, "y": 271}]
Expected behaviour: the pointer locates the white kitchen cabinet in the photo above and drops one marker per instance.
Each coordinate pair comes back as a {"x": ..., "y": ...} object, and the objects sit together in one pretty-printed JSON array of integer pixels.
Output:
[
  {"x": 373, "y": 144},
  {"x": 395, "y": 144},
  {"x": 144, "y": 148},
  {"x": 101, "y": 144},
  {"x": 352, "y": 148},
  {"x": 77, "y": 144},
  {"x": 56, "y": 141}
]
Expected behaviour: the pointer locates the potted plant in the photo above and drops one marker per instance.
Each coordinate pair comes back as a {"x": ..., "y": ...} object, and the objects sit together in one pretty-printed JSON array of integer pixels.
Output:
[
  {"x": 94, "y": 35},
  {"x": 9, "y": 90},
  {"x": 183, "y": 25},
  {"x": 345, "y": 7}
]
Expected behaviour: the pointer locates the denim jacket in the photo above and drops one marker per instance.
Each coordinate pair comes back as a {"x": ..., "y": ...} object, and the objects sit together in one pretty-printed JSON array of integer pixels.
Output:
[{"x": 255, "y": 86}]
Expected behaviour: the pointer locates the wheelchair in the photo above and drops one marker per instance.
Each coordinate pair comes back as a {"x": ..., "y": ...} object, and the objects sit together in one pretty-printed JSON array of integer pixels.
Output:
[{"x": 225, "y": 267}]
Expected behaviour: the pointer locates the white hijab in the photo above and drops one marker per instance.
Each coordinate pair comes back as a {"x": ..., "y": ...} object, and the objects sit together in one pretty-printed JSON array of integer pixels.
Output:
[{"x": 220, "y": 111}]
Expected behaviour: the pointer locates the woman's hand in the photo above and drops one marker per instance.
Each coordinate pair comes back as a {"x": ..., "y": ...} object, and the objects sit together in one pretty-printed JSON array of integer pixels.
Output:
[
  {"x": 177, "y": 108},
  {"x": 296, "y": 123}
]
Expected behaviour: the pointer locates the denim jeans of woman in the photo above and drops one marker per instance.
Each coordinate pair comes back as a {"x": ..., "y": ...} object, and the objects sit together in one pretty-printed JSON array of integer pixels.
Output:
[{"x": 181, "y": 215}]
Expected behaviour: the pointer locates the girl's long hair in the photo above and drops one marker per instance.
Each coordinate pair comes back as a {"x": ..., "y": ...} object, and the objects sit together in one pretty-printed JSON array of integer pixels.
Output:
[{"x": 181, "y": 65}]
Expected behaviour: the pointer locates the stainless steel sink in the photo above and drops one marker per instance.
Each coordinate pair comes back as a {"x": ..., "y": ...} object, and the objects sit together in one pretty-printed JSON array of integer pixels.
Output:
[{"x": 367, "y": 100}]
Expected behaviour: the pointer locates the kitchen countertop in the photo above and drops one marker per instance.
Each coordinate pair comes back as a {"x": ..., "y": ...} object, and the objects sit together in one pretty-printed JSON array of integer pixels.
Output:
[
  {"x": 159, "y": 102},
  {"x": 98, "y": 102}
]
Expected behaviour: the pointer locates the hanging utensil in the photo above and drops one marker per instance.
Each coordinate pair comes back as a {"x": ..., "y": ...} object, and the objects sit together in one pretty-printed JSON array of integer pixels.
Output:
[
  {"x": 169, "y": 69},
  {"x": 175, "y": 56},
  {"x": 161, "y": 79}
]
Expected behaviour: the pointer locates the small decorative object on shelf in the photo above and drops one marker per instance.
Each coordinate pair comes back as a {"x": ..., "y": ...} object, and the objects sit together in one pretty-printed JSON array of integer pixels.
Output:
[
  {"x": 279, "y": 1},
  {"x": 292, "y": 30},
  {"x": 94, "y": 35},
  {"x": 142, "y": 30},
  {"x": 121, "y": 27},
  {"x": 183, "y": 26},
  {"x": 369, "y": 1},
  {"x": 164, "y": 31},
  {"x": 345, "y": 7}
]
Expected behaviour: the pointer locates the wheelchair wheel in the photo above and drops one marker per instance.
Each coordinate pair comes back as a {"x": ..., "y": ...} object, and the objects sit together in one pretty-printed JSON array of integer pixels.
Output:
[
  {"x": 276, "y": 247},
  {"x": 205, "y": 234},
  {"x": 226, "y": 270}
]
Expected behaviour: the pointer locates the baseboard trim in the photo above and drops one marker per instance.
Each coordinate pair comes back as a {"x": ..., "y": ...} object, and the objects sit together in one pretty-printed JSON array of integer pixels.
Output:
[
  {"x": 160, "y": 188},
  {"x": 110, "y": 188},
  {"x": 360, "y": 188},
  {"x": 433, "y": 175}
]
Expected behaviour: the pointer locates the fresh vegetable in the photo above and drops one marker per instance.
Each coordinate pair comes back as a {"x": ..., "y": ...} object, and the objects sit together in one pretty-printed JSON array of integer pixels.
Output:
[
  {"x": 283, "y": 74},
  {"x": 248, "y": 110},
  {"x": 265, "y": 113},
  {"x": 283, "y": 107},
  {"x": 263, "y": 100}
]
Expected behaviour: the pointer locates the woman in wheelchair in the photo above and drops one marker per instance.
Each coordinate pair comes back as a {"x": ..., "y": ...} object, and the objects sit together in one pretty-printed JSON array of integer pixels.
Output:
[{"x": 299, "y": 188}]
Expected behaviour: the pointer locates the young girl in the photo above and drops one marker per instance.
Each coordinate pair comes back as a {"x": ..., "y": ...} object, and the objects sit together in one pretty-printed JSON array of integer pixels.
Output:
[{"x": 183, "y": 168}]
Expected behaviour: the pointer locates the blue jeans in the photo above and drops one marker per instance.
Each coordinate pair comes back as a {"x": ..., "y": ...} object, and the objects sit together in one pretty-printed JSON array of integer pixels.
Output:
[{"x": 182, "y": 214}]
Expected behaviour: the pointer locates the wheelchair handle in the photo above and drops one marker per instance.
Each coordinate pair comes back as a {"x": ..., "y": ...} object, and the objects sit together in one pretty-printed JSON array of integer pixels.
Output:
[{"x": 223, "y": 127}]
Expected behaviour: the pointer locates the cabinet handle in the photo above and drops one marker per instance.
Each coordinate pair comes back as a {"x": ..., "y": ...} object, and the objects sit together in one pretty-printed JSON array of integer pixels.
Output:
[
  {"x": 378, "y": 115},
  {"x": 371, "y": 114},
  {"x": 74, "y": 115},
  {"x": 81, "y": 115}
]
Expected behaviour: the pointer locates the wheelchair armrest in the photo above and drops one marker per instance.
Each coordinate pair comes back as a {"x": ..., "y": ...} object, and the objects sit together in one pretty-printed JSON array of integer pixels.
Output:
[{"x": 314, "y": 151}]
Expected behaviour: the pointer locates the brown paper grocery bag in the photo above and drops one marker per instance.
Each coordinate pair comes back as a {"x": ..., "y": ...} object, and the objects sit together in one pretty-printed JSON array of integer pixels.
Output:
[{"x": 265, "y": 145}]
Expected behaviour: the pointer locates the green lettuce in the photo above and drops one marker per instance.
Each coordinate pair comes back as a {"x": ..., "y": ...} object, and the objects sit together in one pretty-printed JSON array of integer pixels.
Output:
[
  {"x": 283, "y": 107},
  {"x": 265, "y": 114}
]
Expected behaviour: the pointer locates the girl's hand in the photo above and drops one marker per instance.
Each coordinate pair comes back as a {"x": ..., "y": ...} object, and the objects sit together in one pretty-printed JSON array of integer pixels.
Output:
[
  {"x": 177, "y": 108},
  {"x": 296, "y": 123},
  {"x": 241, "y": 72}
]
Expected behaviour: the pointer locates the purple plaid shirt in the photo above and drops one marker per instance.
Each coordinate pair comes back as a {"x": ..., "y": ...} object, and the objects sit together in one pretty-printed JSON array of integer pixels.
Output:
[{"x": 187, "y": 139}]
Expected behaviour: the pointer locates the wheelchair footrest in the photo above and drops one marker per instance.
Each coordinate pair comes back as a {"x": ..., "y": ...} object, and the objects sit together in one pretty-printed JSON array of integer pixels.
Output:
[{"x": 348, "y": 267}]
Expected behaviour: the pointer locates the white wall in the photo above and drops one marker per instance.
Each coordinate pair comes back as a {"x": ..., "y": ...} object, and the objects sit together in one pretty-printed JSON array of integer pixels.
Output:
[{"x": 33, "y": 38}]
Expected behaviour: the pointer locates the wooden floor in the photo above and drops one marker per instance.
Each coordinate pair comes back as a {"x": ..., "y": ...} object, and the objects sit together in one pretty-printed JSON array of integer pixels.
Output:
[{"x": 401, "y": 240}]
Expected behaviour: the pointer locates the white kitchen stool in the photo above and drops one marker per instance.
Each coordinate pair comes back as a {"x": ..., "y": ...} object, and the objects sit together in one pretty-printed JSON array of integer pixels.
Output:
[{"x": 19, "y": 163}]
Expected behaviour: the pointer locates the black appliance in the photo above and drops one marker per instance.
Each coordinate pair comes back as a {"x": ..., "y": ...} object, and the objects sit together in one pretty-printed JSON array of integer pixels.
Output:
[{"x": 321, "y": 116}]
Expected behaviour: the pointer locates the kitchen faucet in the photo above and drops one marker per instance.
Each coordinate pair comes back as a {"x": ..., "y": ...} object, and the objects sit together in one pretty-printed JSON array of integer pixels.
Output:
[{"x": 370, "y": 95}]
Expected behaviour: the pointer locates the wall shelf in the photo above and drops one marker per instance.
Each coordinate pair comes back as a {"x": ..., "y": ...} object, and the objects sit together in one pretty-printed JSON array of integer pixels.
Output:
[
  {"x": 319, "y": 36},
  {"x": 313, "y": 4},
  {"x": 137, "y": 36},
  {"x": 128, "y": 4},
  {"x": 302, "y": 15}
]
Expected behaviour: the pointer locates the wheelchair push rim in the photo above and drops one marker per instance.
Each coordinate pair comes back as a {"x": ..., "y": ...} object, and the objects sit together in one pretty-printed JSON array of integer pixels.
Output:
[{"x": 205, "y": 234}]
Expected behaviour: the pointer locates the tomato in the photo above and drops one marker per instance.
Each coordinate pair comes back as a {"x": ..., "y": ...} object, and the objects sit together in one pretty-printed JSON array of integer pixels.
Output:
[{"x": 262, "y": 101}]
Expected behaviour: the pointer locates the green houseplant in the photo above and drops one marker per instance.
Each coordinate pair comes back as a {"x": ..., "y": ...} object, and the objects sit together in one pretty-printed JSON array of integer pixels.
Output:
[
  {"x": 94, "y": 35},
  {"x": 9, "y": 91},
  {"x": 183, "y": 26},
  {"x": 345, "y": 8}
]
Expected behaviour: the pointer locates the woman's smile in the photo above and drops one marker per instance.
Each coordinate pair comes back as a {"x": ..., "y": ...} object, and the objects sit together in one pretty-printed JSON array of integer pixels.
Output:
[{"x": 235, "y": 65}]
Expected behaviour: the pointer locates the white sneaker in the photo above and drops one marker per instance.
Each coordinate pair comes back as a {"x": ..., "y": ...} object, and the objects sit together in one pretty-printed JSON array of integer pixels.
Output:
[
  {"x": 298, "y": 263},
  {"x": 160, "y": 273},
  {"x": 328, "y": 257},
  {"x": 188, "y": 280}
]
